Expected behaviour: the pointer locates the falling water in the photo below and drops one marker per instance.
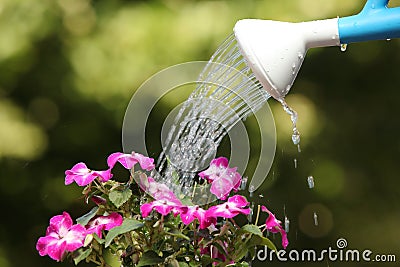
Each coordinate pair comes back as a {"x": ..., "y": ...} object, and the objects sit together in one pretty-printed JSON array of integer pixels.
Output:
[
  {"x": 287, "y": 224},
  {"x": 310, "y": 181},
  {"x": 293, "y": 118},
  {"x": 227, "y": 92},
  {"x": 315, "y": 219}
]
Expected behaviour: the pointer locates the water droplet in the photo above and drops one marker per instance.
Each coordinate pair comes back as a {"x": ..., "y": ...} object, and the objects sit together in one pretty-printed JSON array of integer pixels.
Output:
[
  {"x": 293, "y": 118},
  {"x": 298, "y": 148},
  {"x": 293, "y": 66},
  {"x": 300, "y": 55},
  {"x": 261, "y": 196},
  {"x": 243, "y": 183},
  {"x": 373, "y": 6},
  {"x": 250, "y": 216},
  {"x": 287, "y": 223},
  {"x": 295, "y": 163},
  {"x": 315, "y": 219},
  {"x": 251, "y": 190},
  {"x": 343, "y": 47},
  {"x": 388, "y": 39},
  {"x": 296, "y": 138},
  {"x": 333, "y": 37},
  {"x": 310, "y": 181}
]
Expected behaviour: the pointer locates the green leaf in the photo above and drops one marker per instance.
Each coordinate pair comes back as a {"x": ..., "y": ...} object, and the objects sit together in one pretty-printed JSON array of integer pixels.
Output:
[
  {"x": 173, "y": 263},
  {"x": 98, "y": 239},
  {"x": 252, "y": 229},
  {"x": 260, "y": 241},
  {"x": 149, "y": 258},
  {"x": 221, "y": 249},
  {"x": 126, "y": 226},
  {"x": 240, "y": 253},
  {"x": 84, "y": 219},
  {"x": 80, "y": 254},
  {"x": 119, "y": 197},
  {"x": 178, "y": 234},
  {"x": 183, "y": 264},
  {"x": 205, "y": 260}
]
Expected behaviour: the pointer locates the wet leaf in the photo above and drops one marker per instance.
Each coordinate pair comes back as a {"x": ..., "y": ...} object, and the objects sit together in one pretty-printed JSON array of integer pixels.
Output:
[
  {"x": 149, "y": 258},
  {"x": 178, "y": 234},
  {"x": 119, "y": 197},
  {"x": 80, "y": 254},
  {"x": 126, "y": 226},
  {"x": 260, "y": 241},
  {"x": 84, "y": 219},
  {"x": 252, "y": 229}
]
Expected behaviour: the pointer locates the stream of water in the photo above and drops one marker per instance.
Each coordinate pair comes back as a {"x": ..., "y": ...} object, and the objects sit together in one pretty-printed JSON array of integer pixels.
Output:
[{"x": 227, "y": 92}]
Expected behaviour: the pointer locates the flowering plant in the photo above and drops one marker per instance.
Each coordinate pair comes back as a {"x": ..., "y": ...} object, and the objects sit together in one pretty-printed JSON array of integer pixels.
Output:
[{"x": 146, "y": 224}]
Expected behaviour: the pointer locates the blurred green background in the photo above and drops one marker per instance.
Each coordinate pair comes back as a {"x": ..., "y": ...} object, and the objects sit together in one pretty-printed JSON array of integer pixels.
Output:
[{"x": 68, "y": 69}]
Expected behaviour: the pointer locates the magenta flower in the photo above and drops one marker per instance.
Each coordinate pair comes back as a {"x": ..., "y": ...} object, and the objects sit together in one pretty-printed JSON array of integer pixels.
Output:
[
  {"x": 83, "y": 176},
  {"x": 101, "y": 223},
  {"x": 274, "y": 226},
  {"x": 98, "y": 200},
  {"x": 161, "y": 206},
  {"x": 190, "y": 213},
  {"x": 61, "y": 237},
  {"x": 129, "y": 160},
  {"x": 223, "y": 179},
  {"x": 158, "y": 191},
  {"x": 234, "y": 206}
]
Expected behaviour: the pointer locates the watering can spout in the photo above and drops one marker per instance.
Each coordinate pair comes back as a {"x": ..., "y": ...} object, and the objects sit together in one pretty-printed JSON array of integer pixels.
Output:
[{"x": 275, "y": 50}]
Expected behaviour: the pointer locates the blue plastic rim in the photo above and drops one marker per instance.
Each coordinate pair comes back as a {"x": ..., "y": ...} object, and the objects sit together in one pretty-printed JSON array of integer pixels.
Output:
[{"x": 375, "y": 22}]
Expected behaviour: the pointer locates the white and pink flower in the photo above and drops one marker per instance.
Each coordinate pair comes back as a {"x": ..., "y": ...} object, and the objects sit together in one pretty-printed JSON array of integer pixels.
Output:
[
  {"x": 61, "y": 237},
  {"x": 222, "y": 178},
  {"x": 101, "y": 223}
]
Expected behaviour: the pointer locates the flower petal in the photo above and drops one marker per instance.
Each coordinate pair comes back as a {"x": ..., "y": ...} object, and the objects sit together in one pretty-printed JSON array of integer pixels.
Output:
[
  {"x": 129, "y": 160},
  {"x": 274, "y": 226},
  {"x": 146, "y": 209},
  {"x": 101, "y": 223},
  {"x": 80, "y": 174},
  {"x": 104, "y": 176},
  {"x": 60, "y": 223},
  {"x": 75, "y": 237},
  {"x": 61, "y": 237}
]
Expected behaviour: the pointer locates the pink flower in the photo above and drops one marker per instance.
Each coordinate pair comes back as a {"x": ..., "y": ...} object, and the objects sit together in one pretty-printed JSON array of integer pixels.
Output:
[
  {"x": 190, "y": 213},
  {"x": 61, "y": 237},
  {"x": 158, "y": 191},
  {"x": 83, "y": 176},
  {"x": 161, "y": 206},
  {"x": 234, "y": 206},
  {"x": 98, "y": 200},
  {"x": 274, "y": 226},
  {"x": 223, "y": 179},
  {"x": 129, "y": 160},
  {"x": 101, "y": 223}
]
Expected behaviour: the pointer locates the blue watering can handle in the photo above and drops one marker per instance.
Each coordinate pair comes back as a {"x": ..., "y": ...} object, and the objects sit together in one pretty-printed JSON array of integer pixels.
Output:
[{"x": 375, "y": 22}]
